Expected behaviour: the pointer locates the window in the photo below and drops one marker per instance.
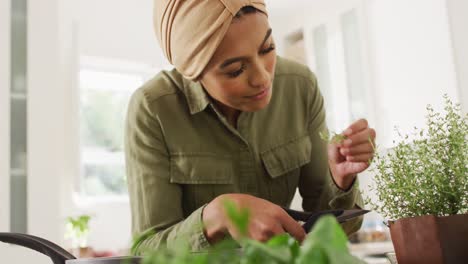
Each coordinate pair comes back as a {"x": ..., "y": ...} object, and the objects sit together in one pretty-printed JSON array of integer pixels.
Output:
[
  {"x": 339, "y": 62},
  {"x": 105, "y": 89},
  {"x": 354, "y": 64}
]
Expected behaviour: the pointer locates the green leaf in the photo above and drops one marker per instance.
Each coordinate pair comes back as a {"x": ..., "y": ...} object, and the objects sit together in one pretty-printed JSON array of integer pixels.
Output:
[
  {"x": 326, "y": 244},
  {"x": 287, "y": 241},
  {"x": 327, "y": 230},
  {"x": 262, "y": 253},
  {"x": 239, "y": 217}
]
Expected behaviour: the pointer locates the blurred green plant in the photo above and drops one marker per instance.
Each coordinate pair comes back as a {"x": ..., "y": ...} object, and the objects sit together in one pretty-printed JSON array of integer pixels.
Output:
[
  {"x": 326, "y": 244},
  {"x": 426, "y": 175},
  {"x": 77, "y": 229},
  {"x": 104, "y": 179},
  {"x": 103, "y": 115}
]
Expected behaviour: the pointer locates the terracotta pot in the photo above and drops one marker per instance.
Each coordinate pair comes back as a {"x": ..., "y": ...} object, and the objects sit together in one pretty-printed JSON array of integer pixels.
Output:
[
  {"x": 86, "y": 252},
  {"x": 82, "y": 252},
  {"x": 430, "y": 239}
]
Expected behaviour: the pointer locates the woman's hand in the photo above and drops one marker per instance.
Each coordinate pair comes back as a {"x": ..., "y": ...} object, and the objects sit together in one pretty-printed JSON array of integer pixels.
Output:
[
  {"x": 353, "y": 155},
  {"x": 266, "y": 219}
]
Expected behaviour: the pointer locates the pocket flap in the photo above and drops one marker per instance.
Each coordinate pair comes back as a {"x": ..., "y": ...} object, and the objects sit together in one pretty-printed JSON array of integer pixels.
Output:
[
  {"x": 201, "y": 169},
  {"x": 286, "y": 157}
]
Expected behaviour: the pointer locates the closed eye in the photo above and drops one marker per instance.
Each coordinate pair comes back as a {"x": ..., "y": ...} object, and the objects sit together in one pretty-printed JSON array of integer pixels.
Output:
[
  {"x": 235, "y": 74},
  {"x": 267, "y": 50}
]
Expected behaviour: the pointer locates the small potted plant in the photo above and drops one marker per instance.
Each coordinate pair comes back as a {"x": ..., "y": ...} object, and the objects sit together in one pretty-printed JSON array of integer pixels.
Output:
[
  {"x": 77, "y": 229},
  {"x": 422, "y": 188}
]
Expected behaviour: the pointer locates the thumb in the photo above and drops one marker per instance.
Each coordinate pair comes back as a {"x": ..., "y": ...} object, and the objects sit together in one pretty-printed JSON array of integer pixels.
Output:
[{"x": 334, "y": 154}]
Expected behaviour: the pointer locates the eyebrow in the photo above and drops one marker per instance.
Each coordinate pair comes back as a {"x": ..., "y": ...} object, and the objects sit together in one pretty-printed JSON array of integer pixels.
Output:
[{"x": 236, "y": 59}]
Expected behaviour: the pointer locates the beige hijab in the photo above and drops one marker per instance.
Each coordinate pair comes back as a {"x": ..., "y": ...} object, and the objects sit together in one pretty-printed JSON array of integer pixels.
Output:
[{"x": 189, "y": 31}]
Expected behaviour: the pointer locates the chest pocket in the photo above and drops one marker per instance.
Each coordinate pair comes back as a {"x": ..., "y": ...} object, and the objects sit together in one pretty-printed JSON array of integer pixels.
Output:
[
  {"x": 203, "y": 176},
  {"x": 289, "y": 156},
  {"x": 201, "y": 169},
  {"x": 282, "y": 163}
]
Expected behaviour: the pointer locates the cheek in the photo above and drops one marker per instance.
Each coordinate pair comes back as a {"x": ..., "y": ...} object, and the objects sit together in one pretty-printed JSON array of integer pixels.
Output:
[
  {"x": 226, "y": 90},
  {"x": 270, "y": 63},
  {"x": 234, "y": 88}
]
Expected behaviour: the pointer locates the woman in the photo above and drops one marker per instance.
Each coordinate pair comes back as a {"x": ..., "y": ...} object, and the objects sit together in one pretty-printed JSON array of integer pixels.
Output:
[{"x": 232, "y": 120}]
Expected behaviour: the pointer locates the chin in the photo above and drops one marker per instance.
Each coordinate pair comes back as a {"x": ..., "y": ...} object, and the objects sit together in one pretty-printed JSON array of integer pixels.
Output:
[{"x": 257, "y": 106}]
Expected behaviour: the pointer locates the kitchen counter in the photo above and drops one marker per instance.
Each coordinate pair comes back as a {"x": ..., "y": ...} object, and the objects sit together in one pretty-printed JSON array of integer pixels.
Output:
[{"x": 372, "y": 252}]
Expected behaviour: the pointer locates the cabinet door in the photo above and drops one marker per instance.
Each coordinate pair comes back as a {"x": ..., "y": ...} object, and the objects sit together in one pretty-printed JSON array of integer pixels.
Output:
[
  {"x": 18, "y": 116},
  {"x": 4, "y": 114}
]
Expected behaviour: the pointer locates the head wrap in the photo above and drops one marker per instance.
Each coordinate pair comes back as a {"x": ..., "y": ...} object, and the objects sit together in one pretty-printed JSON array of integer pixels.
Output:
[{"x": 189, "y": 31}]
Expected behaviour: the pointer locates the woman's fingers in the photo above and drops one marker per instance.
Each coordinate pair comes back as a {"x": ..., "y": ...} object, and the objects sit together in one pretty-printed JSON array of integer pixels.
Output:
[
  {"x": 232, "y": 230},
  {"x": 356, "y": 127},
  {"x": 359, "y": 145},
  {"x": 360, "y": 138},
  {"x": 360, "y": 158},
  {"x": 292, "y": 226},
  {"x": 279, "y": 223},
  {"x": 265, "y": 230},
  {"x": 266, "y": 219},
  {"x": 363, "y": 148}
]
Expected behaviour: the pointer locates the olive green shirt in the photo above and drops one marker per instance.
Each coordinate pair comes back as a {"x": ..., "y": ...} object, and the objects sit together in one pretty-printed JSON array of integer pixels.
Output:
[{"x": 181, "y": 153}]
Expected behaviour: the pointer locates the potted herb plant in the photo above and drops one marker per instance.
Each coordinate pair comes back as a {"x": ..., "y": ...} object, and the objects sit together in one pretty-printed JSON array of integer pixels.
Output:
[
  {"x": 422, "y": 187},
  {"x": 77, "y": 229}
]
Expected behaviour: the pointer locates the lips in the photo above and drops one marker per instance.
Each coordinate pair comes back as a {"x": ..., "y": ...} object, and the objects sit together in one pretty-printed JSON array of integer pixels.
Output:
[{"x": 260, "y": 95}]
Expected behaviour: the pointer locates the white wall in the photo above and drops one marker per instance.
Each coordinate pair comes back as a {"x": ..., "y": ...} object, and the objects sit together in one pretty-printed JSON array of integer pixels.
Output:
[
  {"x": 49, "y": 93},
  {"x": 412, "y": 61},
  {"x": 457, "y": 11},
  {"x": 409, "y": 49},
  {"x": 301, "y": 14},
  {"x": 4, "y": 115},
  {"x": 39, "y": 212},
  {"x": 120, "y": 29},
  {"x": 43, "y": 117}
]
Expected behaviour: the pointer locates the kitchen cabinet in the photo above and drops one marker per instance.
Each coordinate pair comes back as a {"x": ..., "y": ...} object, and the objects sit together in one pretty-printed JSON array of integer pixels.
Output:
[
  {"x": 18, "y": 117},
  {"x": 13, "y": 112},
  {"x": 4, "y": 113}
]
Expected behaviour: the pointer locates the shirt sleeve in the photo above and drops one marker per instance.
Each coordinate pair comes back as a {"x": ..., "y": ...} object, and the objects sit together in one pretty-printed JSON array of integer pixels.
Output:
[
  {"x": 156, "y": 203},
  {"x": 316, "y": 185}
]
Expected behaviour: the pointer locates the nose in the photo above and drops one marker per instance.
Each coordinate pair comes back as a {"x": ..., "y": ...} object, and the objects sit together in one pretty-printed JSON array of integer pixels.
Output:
[{"x": 259, "y": 76}]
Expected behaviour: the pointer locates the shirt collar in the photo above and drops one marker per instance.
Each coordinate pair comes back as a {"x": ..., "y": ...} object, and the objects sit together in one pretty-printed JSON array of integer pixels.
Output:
[{"x": 196, "y": 96}]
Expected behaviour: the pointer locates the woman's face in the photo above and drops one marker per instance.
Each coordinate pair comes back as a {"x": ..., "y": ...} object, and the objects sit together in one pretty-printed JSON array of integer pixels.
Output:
[{"x": 240, "y": 73}]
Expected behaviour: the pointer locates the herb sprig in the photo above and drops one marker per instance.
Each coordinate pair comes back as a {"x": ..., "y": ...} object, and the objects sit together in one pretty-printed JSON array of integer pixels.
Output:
[{"x": 334, "y": 138}]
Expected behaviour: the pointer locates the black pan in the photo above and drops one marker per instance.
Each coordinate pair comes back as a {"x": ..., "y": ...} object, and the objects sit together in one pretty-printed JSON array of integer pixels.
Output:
[{"x": 57, "y": 254}]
